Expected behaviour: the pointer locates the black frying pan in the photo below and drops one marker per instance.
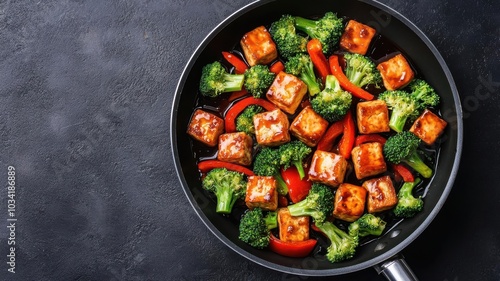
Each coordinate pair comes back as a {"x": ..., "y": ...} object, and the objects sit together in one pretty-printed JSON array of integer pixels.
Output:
[{"x": 426, "y": 61}]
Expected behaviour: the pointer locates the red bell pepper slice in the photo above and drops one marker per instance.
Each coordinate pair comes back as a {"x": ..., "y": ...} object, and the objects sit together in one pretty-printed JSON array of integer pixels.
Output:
[
  {"x": 404, "y": 172},
  {"x": 237, "y": 94},
  {"x": 239, "y": 65},
  {"x": 277, "y": 67},
  {"x": 356, "y": 91},
  {"x": 239, "y": 106},
  {"x": 207, "y": 165},
  {"x": 369, "y": 138},
  {"x": 348, "y": 138},
  {"x": 335, "y": 130},
  {"x": 291, "y": 249},
  {"x": 315, "y": 51},
  {"x": 298, "y": 188}
]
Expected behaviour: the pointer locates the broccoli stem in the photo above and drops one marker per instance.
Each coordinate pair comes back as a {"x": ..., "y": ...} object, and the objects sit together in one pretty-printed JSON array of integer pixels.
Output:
[
  {"x": 312, "y": 84},
  {"x": 397, "y": 121},
  {"x": 233, "y": 82},
  {"x": 282, "y": 187},
  {"x": 225, "y": 200},
  {"x": 300, "y": 208},
  {"x": 300, "y": 168},
  {"x": 418, "y": 165},
  {"x": 306, "y": 25}
]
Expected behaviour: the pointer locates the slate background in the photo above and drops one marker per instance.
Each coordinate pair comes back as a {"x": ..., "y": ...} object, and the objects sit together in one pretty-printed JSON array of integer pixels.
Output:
[{"x": 85, "y": 94}]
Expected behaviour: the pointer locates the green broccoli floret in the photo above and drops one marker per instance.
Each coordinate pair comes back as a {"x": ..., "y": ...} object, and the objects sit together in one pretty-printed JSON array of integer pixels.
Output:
[
  {"x": 403, "y": 106},
  {"x": 228, "y": 187},
  {"x": 244, "y": 121},
  {"x": 293, "y": 153},
  {"x": 267, "y": 163},
  {"x": 258, "y": 79},
  {"x": 301, "y": 65},
  {"x": 254, "y": 227},
  {"x": 215, "y": 80},
  {"x": 402, "y": 147},
  {"x": 408, "y": 205},
  {"x": 284, "y": 34},
  {"x": 367, "y": 224},
  {"x": 318, "y": 204},
  {"x": 333, "y": 102},
  {"x": 423, "y": 93},
  {"x": 342, "y": 247},
  {"x": 361, "y": 71},
  {"x": 327, "y": 29}
]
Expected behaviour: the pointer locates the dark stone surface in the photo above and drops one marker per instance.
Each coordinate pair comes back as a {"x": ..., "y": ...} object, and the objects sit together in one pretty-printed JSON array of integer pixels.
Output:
[{"x": 86, "y": 90}]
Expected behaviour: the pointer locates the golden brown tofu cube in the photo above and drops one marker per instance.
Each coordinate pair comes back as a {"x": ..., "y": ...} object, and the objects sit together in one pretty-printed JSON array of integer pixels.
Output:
[
  {"x": 396, "y": 72},
  {"x": 309, "y": 126},
  {"x": 235, "y": 148},
  {"x": 372, "y": 117},
  {"x": 327, "y": 168},
  {"x": 357, "y": 37},
  {"x": 258, "y": 46},
  {"x": 292, "y": 229},
  {"x": 261, "y": 193},
  {"x": 368, "y": 159},
  {"x": 287, "y": 92},
  {"x": 381, "y": 194},
  {"x": 205, "y": 127},
  {"x": 349, "y": 202},
  {"x": 271, "y": 128},
  {"x": 428, "y": 127}
]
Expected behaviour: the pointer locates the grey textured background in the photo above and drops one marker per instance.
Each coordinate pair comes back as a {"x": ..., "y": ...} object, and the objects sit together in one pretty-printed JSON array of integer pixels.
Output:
[{"x": 86, "y": 90}]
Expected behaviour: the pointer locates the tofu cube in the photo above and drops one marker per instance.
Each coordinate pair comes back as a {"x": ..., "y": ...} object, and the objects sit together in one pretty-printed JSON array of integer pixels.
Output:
[
  {"x": 396, "y": 72},
  {"x": 287, "y": 92},
  {"x": 271, "y": 128},
  {"x": 309, "y": 126},
  {"x": 368, "y": 159},
  {"x": 235, "y": 148},
  {"x": 327, "y": 168},
  {"x": 262, "y": 193},
  {"x": 258, "y": 46},
  {"x": 428, "y": 127},
  {"x": 349, "y": 202},
  {"x": 372, "y": 117},
  {"x": 292, "y": 229},
  {"x": 205, "y": 127},
  {"x": 357, "y": 37},
  {"x": 381, "y": 194}
]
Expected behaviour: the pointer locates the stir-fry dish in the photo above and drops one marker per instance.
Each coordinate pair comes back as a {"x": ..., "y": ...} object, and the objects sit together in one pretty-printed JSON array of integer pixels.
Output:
[{"x": 303, "y": 131}]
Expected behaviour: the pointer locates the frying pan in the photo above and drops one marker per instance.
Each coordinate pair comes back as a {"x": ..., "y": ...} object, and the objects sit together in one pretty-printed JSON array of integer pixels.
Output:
[{"x": 428, "y": 63}]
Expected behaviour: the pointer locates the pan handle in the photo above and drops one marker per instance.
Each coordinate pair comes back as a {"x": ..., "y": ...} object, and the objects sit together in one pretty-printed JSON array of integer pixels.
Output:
[{"x": 396, "y": 269}]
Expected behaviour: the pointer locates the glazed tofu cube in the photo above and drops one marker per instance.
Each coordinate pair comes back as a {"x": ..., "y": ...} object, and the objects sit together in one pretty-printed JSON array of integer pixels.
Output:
[
  {"x": 286, "y": 92},
  {"x": 327, "y": 168},
  {"x": 205, "y": 127},
  {"x": 258, "y": 46},
  {"x": 349, "y": 202},
  {"x": 396, "y": 72},
  {"x": 428, "y": 127},
  {"x": 309, "y": 126},
  {"x": 292, "y": 229},
  {"x": 235, "y": 148},
  {"x": 372, "y": 117},
  {"x": 261, "y": 193},
  {"x": 381, "y": 194},
  {"x": 271, "y": 128},
  {"x": 357, "y": 37},
  {"x": 368, "y": 159}
]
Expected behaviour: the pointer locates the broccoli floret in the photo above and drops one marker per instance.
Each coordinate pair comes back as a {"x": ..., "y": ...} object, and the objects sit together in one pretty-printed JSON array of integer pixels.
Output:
[
  {"x": 402, "y": 147},
  {"x": 254, "y": 227},
  {"x": 342, "y": 247},
  {"x": 244, "y": 121},
  {"x": 258, "y": 79},
  {"x": 403, "y": 106},
  {"x": 293, "y": 153},
  {"x": 408, "y": 205},
  {"x": 327, "y": 29},
  {"x": 267, "y": 163},
  {"x": 423, "y": 93},
  {"x": 228, "y": 187},
  {"x": 367, "y": 224},
  {"x": 361, "y": 71},
  {"x": 215, "y": 80},
  {"x": 301, "y": 65},
  {"x": 284, "y": 34},
  {"x": 333, "y": 102},
  {"x": 318, "y": 204}
]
